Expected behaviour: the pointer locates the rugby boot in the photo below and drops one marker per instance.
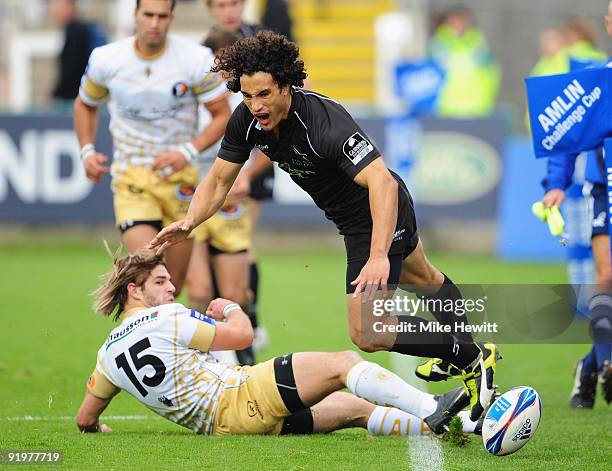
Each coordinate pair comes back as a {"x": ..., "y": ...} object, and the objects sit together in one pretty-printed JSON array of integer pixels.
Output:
[
  {"x": 478, "y": 380},
  {"x": 583, "y": 394},
  {"x": 605, "y": 380},
  {"x": 436, "y": 369},
  {"x": 449, "y": 405}
]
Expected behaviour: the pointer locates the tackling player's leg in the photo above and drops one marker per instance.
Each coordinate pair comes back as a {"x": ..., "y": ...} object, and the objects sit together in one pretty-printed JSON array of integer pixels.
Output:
[
  {"x": 477, "y": 373},
  {"x": 317, "y": 375},
  {"x": 343, "y": 410}
]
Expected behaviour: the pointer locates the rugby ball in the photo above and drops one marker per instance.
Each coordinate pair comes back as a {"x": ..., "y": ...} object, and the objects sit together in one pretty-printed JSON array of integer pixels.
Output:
[{"x": 511, "y": 421}]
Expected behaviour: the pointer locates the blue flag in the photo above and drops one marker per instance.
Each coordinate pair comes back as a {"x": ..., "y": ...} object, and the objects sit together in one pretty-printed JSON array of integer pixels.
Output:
[
  {"x": 419, "y": 84},
  {"x": 569, "y": 113}
]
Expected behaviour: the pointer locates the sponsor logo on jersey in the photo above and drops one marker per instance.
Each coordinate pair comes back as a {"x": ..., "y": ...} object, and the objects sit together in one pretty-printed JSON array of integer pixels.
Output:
[
  {"x": 398, "y": 235},
  {"x": 180, "y": 89},
  {"x": 131, "y": 327},
  {"x": 202, "y": 317},
  {"x": 357, "y": 147},
  {"x": 184, "y": 192}
]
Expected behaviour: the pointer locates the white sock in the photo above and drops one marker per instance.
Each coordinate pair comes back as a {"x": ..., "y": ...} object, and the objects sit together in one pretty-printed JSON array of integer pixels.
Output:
[
  {"x": 379, "y": 386},
  {"x": 392, "y": 421},
  {"x": 468, "y": 425}
]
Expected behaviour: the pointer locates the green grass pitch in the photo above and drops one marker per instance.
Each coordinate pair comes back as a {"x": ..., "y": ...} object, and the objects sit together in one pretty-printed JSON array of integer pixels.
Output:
[{"x": 49, "y": 339}]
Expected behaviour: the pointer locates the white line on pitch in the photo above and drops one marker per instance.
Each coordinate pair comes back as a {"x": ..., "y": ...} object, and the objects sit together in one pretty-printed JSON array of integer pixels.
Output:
[
  {"x": 425, "y": 454},
  {"x": 52, "y": 418}
]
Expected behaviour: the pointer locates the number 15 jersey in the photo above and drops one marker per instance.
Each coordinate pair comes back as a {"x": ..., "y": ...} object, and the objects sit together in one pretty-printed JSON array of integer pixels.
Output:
[{"x": 158, "y": 355}]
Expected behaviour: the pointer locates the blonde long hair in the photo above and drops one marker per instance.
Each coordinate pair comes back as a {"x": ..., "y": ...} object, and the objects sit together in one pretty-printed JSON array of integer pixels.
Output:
[{"x": 110, "y": 298}]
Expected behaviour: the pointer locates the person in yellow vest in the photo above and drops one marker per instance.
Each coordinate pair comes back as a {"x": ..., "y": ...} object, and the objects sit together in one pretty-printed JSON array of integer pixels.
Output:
[
  {"x": 553, "y": 50},
  {"x": 559, "y": 47},
  {"x": 553, "y": 57},
  {"x": 472, "y": 73}
]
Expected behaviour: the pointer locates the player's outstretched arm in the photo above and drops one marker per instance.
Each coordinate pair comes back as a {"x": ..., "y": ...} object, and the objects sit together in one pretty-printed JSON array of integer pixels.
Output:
[
  {"x": 208, "y": 198},
  {"x": 382, "y": 189},
  {"x": 87, "y": 418}
]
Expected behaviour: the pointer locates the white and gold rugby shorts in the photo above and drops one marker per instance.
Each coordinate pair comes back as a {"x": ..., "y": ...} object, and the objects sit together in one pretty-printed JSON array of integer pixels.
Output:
[
  {"x": 140, "y": 195},
  {"x": 227, "y": 231},
  {"x": 259, "y": 405}
]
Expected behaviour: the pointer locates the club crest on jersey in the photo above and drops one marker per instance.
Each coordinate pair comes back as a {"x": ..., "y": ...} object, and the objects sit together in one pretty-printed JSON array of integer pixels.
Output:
[
  {"x": 357, "y": 147},
  {"x": 184, "y": 192},
  {"x": 180, "y": 89}
]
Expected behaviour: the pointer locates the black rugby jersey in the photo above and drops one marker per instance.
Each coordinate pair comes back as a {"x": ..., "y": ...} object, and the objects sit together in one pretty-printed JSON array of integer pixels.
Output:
[{"x": 322, "y": 149}]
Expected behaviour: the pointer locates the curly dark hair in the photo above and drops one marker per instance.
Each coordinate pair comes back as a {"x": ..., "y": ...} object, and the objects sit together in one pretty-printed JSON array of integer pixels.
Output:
[{"x": 265, "y": 52}]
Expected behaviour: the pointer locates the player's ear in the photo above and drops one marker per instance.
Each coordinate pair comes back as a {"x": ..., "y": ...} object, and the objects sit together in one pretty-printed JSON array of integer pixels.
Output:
[{"x": 134, "y": 291}]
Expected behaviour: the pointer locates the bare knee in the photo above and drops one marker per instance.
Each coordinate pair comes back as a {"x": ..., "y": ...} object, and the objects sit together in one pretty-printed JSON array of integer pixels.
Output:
[
  {"x": 342, "y": 362},
  {"x": 359, "y": 340}
]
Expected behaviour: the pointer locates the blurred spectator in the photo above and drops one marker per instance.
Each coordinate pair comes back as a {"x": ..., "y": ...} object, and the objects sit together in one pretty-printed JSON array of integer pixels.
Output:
[
  {"x": 472, "y": 73},
  {"x": 553, "y": 57},
  {"x": 553, "y": 53},
  {"x": 276, "y": 18},
  {"x": 582, "y": 42},
  {"x": 80, "y": 39},
  {"x": 227, "y": 16}
]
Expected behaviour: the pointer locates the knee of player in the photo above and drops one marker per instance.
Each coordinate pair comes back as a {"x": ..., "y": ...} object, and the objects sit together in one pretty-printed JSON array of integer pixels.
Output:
[
  {"x": 348, "y": 358},
  {"x": 360, "y": 341}
]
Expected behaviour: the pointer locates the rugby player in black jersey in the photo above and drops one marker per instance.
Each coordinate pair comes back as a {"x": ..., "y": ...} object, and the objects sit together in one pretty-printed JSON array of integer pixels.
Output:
[{"x": 316, "y": 141}]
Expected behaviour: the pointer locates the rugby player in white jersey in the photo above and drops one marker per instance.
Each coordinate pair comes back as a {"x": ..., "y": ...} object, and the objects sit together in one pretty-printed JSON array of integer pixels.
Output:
[
  {"x": 159, "y": 355},
  {"x": 155, "y": 83}
]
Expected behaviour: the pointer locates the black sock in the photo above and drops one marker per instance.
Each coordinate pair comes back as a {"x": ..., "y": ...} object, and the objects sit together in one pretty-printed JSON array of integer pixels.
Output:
[
  {"x": 448, "y": 290},
  {"x": 254, "y": 287},
  {"x": 423, "y": 343},
  {"x": 246, "y": 356}
]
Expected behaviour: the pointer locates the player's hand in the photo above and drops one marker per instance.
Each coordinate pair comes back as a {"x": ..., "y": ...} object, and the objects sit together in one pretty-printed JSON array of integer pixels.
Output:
[
  {"x": 104, "y": 428},
  {"x": 239, "y": 190},
  {"x": 168, "y": 163},
  {"x": 553, "y": 198},
  {"x": 216, "y": 306},
  {"x": 94, "y": 166},
  {"x": 375, "y": 273},
  {"x": 171, "y": 235}
]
